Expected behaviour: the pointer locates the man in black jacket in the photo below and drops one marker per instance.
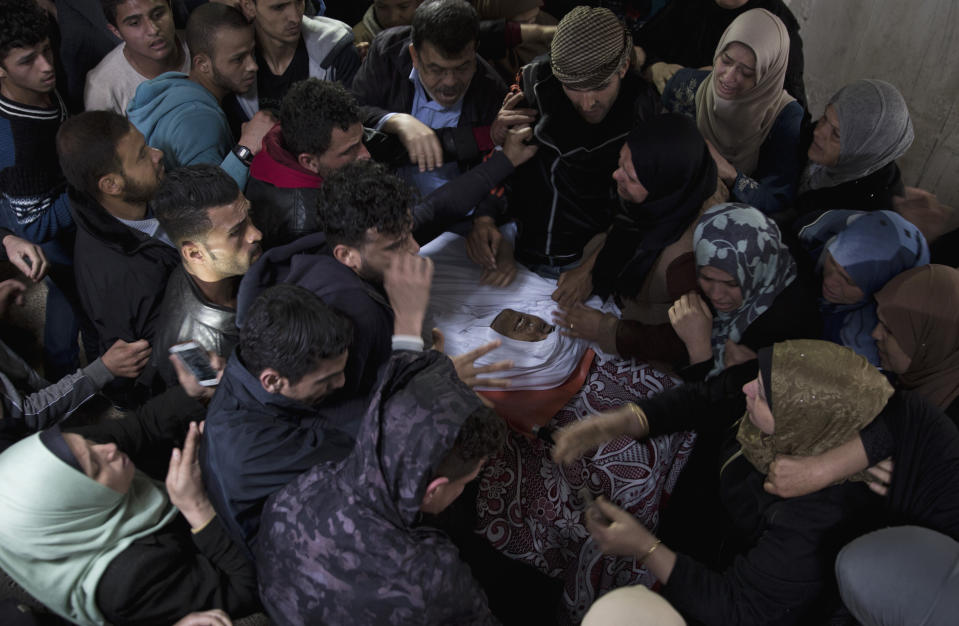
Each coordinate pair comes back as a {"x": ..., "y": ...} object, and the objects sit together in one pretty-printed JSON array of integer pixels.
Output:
[
  {"x": 584, "y": 100},
  {"x": 426, "y": 84},
  {"x": 122, "y": 257}
]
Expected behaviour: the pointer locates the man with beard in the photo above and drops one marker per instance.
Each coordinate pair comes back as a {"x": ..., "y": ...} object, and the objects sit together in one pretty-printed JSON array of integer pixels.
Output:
[
  {"x": 366, "y": 225},
  {"x": 122, "y": 257},
  {"x": 208, "y": 219},
  {"x": 584, "y": 100},
  {"x": 182, "y": 115}
]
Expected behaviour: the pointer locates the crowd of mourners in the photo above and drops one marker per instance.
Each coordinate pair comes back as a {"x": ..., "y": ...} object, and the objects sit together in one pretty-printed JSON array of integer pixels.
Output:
[{"x": 247, "y": 414}]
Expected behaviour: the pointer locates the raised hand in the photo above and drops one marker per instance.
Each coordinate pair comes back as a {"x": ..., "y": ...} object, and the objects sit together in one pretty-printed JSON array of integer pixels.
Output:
[{"x": 469, "y": 373}]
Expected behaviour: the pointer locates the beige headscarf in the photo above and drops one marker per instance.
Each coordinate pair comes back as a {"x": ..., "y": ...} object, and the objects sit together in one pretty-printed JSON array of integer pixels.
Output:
[
  {"x": 820, "y": 394},
  {"x": 738, "y": 127},
  {"x": 921, "y": 309}
]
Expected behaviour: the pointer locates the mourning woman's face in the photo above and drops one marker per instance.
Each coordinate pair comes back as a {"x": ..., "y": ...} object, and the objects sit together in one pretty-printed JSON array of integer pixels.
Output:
[{"x": 521, "y": 326}]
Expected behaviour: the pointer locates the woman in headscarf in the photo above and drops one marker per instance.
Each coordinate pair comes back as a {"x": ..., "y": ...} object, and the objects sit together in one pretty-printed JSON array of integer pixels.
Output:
[
  {"x": 776, "y": 556},
  {"x": 857, "y": 253},
  {"x": 750, "y": 281},
  {"x": 97, "y": 541},
  {"x": 751, "y": 123},
  {"x": 684, "y": 33},
  {"x": 918, "y": 333},
  {"x": 666, "y": 179},
  {"x": 853, "y": 150},
  {"x": 751, "y": 297}
]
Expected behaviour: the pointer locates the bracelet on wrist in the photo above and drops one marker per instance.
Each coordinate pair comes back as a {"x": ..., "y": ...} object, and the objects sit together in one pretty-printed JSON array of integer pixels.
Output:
[
  {"x": 640, "y": 417},
  {"x": 642, "y": 560}
]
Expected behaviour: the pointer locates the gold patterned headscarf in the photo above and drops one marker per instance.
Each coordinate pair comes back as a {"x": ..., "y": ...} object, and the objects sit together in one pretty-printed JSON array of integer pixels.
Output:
[
  {"x": 738, "y": 127},
  {"x": 820, "y": 394}
]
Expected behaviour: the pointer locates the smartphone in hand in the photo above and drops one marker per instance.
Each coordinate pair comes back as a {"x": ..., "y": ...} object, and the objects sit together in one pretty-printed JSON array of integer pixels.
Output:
[{"x": 196, "y": 359}]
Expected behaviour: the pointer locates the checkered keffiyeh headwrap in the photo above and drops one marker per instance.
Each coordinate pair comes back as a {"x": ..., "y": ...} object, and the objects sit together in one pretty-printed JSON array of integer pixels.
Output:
[{"x": 589, "y": 46}]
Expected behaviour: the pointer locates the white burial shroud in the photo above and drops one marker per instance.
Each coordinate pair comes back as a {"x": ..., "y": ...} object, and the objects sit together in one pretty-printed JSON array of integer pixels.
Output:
[{"x": 464, "y": 309}]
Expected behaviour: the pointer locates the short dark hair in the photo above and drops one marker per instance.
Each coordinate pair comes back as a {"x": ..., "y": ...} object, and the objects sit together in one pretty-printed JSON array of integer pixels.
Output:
[
  {"x": 290, "y": 330},
  {"x": 450, "y": 25},
  {"x": 110, "y": 9},
  {"x": 22, "y": 24},
  {"x": 482, "y": 435},
  {"x": 363, "y": 195},
  {"x": 184, "y": 197},
  {"x": 310, "y": 110},
  {"x": 206, "y": 21},
  {"x": 87, "y": 146}
]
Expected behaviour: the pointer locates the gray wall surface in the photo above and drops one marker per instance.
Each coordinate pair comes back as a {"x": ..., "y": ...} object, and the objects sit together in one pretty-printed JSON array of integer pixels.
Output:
[{"x": 913, "y": 44}]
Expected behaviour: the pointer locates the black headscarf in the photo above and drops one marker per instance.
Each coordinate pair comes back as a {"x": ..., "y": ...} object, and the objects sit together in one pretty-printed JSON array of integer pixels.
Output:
[{"x": 674, "y": 165}]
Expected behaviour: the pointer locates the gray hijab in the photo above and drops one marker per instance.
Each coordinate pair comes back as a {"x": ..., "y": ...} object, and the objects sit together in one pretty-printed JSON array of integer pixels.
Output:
[{"x": 874, "y": 129}]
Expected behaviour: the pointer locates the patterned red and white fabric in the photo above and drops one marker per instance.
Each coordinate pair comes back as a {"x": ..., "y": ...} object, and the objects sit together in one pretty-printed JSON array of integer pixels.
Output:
[{"x": 530, "y": 509}]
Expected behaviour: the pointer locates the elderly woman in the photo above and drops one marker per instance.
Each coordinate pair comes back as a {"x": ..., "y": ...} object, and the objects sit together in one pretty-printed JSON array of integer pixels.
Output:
[
  {"x": 753, "y": 297},
  {"x": 98, "y": 541},
  {"x": 777, "y": 555},
  {"x": 751, "y": 123},
  {"x": 853, "y": 151},
  {"x": 857, "y": 253}
]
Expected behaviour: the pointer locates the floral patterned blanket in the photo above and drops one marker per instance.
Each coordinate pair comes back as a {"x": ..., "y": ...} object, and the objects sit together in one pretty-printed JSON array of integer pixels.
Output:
[{"x": 530, "y": 508}]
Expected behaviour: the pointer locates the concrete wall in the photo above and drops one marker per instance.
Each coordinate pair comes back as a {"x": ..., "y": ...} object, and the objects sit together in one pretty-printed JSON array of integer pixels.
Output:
[{"x": 913, "y": 44}]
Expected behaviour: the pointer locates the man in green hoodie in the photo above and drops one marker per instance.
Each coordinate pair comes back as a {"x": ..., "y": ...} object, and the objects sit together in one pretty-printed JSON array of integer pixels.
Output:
[{"x": 182, "y": 115}]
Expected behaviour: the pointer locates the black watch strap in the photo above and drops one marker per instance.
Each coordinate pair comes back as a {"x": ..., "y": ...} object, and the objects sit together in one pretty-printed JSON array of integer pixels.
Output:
[{"x": 244, "y": 154}]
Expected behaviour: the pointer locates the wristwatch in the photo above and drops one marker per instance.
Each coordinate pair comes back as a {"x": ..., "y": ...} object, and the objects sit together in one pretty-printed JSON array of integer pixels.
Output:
[{"x": 244, "y": 154}]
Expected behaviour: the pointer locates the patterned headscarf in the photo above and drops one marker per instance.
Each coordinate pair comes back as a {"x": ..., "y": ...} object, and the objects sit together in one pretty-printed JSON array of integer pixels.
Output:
[
  {"x": 820, "y": 396},
  {"x": 874, "y": 130},
  {"x": 590, "y": 45},
  {"x": 921, "y": 309},
  {"x": 738, "y": 127},
  {"x": 872, "y": 248},
  {"x": 744, "y": 243}
]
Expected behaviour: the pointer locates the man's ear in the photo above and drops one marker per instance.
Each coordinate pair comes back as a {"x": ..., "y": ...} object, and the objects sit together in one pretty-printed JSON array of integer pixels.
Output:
[
  {"x": 110, "y": 184},
  {"x": 431, "y": 490},
  {"x": 113, "y": 29},
  {"x": 414, "y": 56},
  {"x": 201, "y": 62},
  {"x": 348, "y": 256},
  {"x": 248, "y": 9},
  {"x": 192, "y": 253},
  {"x": 308, "y": 162},
  {"x": 271, "y": 381}
]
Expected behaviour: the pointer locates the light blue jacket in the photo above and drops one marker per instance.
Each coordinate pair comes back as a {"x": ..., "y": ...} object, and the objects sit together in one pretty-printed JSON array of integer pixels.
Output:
[{"x": 182, "y": 118}]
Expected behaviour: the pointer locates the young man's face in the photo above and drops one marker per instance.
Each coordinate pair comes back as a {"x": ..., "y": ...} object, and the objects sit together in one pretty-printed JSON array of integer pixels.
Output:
[
  {"x": 345, "y": 147},
  {"x": 234, "y": 66},
  {"x": 444, "y": 78},
  {"x": 279, "y": 20},
  {"x": 378, "y": 251},
  {"x": 233, "y": 243},
  {"x": 593, "y": 105},
  {"x": 146, "y": 26},
  {"x": 27, "y": 73},
  {"x": 142, "y": 167},
  {"x": 321, "y": 382}
]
